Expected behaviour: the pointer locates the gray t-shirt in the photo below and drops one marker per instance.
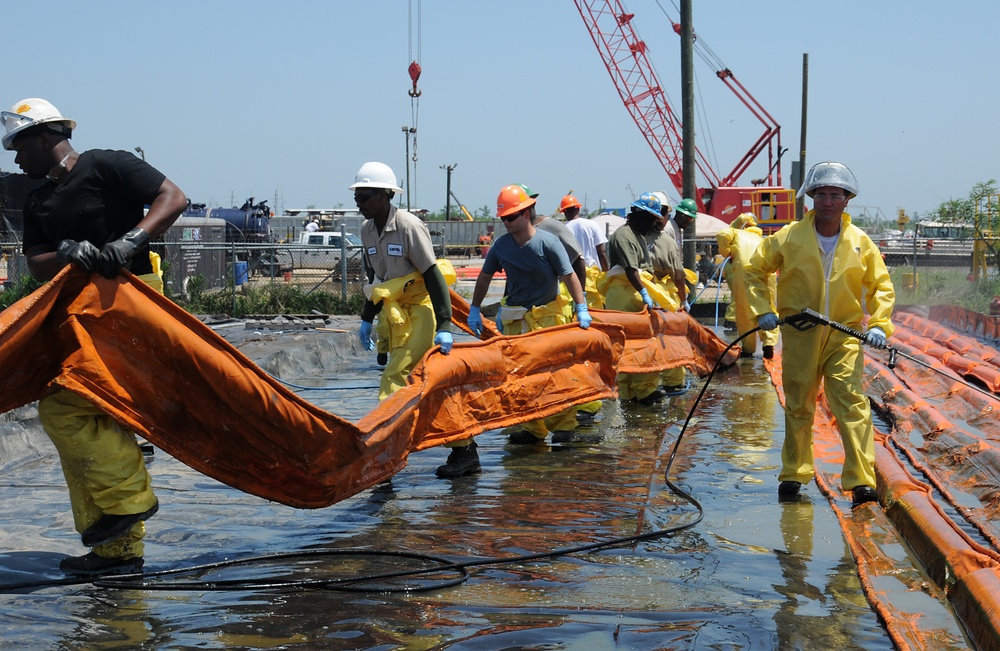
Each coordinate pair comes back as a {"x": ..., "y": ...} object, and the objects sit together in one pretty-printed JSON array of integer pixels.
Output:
[
  {"x": 533, "y": 270},
  {"x": 560, "y": 230}
]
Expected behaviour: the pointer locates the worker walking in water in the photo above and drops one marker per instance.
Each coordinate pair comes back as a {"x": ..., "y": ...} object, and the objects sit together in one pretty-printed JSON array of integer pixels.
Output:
[
  {"x": 739, "y": 242},
  {"x": 89, "y": 213},
  {"x": 827, "y": 264},
  {"x": 406, "y": 289},
  {"x": 593, "y": 243},
  {"x": 668, "y": 272},
  {"x": 534, "y": 261},
  {"x": 624, "y": 290}
]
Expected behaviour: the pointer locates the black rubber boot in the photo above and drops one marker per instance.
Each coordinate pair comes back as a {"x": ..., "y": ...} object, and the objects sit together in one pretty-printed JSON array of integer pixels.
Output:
[
  {"x": 112, "y": 527},
  {"x": 93, "y": 565},
  {"x": 863, "y": 494},
  {"x": 788, "y": 491},
  {"x": 461, "y": 462}
]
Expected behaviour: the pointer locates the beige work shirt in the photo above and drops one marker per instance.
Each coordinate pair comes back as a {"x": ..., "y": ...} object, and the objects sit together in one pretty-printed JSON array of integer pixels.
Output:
[{"x": 403, "y": 246}]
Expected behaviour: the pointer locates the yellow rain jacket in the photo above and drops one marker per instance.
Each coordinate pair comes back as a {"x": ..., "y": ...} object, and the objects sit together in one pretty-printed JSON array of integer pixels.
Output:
[
  {"x": 856, "y": 280},
  {"x": 739, "y": 245}
]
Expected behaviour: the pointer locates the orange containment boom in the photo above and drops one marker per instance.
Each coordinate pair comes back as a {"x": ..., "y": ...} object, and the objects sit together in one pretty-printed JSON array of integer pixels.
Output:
[{"x": 160, "y": 372}]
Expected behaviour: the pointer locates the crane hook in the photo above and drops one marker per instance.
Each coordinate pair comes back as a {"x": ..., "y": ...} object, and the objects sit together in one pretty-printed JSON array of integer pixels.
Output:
[{"x": 414, "y": 71}]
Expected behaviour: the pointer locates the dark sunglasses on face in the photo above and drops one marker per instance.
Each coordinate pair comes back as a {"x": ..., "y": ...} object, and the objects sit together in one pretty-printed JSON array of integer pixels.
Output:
[
  {"x": 362, "y": 197},
  {"x": 510, "y": 218}
]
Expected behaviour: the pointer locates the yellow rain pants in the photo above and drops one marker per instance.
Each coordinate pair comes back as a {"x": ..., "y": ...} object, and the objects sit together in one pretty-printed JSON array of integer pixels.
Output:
[
  {"x": 621, "y": 296},
  {"x": 517, "y": 320},
  {"x": 102, "y": 463},
  {"x": 857, "y": 281},
  {"x": 836, "y": 359},
  {"x": 671, "y": 301}
]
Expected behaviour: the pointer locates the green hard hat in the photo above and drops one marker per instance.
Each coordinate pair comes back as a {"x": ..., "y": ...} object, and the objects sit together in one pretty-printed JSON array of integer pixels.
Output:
[
  {"x": 688, "y": 207},
  {"x": 527, "y": 191}
]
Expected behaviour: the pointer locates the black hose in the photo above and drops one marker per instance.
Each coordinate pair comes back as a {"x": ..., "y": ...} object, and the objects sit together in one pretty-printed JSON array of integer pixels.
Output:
[{"x": 146, "y": 581}]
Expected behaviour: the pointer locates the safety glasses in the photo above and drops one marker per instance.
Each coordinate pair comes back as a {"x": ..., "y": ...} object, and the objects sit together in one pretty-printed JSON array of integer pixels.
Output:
[
  {"x": 510, "y": 218},
  {"x": 362, "y": 197},
  {"x": 13, "y": 121}
]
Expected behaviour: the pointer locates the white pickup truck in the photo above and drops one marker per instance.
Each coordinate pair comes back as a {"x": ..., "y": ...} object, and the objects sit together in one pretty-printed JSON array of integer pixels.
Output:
[{"x": 321, "y": 250}]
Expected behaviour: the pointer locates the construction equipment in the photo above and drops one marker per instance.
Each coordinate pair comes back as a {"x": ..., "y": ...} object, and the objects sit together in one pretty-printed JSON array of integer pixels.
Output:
[
  {"x": 625, "y": 56},
  {"x": 461, "y": 206}
]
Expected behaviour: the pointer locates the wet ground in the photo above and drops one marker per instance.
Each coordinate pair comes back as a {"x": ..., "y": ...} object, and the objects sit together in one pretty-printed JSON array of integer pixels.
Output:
[{"x": 752, "y": 574}]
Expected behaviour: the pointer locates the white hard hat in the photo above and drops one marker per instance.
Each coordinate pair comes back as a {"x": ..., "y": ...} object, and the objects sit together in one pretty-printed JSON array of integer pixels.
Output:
[
  {"x": 829, "y": 174},
  {"x": 29, "y": 113},
  {"x": 662, "y": 196},
  {"x": 375, "y": 175}
]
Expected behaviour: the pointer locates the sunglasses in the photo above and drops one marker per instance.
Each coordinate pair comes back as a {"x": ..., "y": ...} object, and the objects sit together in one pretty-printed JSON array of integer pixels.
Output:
[
  {"x": 510, "y": 218},
  {"x": 362, "y": 197}
]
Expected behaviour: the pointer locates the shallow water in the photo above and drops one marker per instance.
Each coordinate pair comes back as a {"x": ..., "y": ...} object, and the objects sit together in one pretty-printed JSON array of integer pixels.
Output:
[{"x": 753, "y": 574}]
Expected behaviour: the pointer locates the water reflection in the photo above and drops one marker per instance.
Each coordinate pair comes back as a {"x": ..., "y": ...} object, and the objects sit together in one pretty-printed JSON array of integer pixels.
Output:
[{"x": 754, "y": 574}]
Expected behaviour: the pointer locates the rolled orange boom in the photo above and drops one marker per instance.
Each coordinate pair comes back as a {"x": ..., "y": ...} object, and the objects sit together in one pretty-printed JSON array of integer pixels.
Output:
[{"x": 952, "y": 458}]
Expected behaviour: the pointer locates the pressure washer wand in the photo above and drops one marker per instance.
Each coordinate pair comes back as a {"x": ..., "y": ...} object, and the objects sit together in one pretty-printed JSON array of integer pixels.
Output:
[{"x": 809, "y": 318}]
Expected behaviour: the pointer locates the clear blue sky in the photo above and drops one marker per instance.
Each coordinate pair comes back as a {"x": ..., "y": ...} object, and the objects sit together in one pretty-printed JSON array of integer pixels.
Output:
[{"x": 238, "y": 98}]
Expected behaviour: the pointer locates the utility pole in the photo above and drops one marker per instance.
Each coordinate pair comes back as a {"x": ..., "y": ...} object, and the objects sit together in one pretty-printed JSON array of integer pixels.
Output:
[
  {"x": 687, "y": 118},
  {"x": 799, "y": 201},
  {"x": 447, "y": 196}
]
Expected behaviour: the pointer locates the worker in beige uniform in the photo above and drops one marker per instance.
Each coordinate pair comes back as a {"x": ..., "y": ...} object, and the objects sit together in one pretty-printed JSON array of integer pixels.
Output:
[{"x": 407, "y": 287}]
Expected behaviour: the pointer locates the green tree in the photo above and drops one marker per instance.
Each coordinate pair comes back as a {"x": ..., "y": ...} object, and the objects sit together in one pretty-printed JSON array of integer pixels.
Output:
[{"x": 962, "y": 211}]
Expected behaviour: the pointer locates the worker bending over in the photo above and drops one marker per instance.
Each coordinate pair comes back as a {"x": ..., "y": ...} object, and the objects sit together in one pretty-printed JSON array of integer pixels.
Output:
[
  {"x": 669, "y": 274},
  {"x": 89, "y": 213},
  {"x": 628, "y": 254}
]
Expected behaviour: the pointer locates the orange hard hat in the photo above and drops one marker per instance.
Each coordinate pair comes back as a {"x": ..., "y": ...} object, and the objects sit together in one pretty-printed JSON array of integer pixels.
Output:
[
  {"x": 569, "y": 201},
  {"x": 513, "y": 199}
]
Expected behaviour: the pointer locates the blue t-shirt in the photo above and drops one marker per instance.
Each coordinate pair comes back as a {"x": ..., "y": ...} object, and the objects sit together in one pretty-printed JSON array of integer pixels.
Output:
[{"x": 533, "y": 270}]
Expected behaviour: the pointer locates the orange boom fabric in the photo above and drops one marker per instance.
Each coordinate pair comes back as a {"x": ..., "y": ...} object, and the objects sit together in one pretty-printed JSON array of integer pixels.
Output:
[{"x": 192, "y": 394}]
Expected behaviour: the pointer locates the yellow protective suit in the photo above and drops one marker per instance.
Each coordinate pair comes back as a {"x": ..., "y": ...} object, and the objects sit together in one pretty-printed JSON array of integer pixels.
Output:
[
  {"x": 407, "y": 317},
  {"x": 739, "y": 245},
  {"x": 519, "y": 320},
  {"x": 101, "y": 462},
  {"x": 595, "y": 299},
  {"x": 856, "y": 280},
  {"x": 620, "y": 295}
]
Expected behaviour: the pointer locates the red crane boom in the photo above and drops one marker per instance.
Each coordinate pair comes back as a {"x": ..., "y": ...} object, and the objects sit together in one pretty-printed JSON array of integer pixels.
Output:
[{"x": 625, "y": 57}]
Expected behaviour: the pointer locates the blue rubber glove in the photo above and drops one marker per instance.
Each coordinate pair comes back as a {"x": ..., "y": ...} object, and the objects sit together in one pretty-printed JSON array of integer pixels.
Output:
[
  {"x": 687, "y": 307},
  {"x": 875, "y": 337},
  {"x": 768, "y": 321},
  {"x": 443, "y": 339},
  {"x": 475, "y": 320},
  {"x": 645, "y": 297},
  {"x": 499, "y": 324},
  {"x": 366, "y": 335},
  {"x": 583, "y": 315}
]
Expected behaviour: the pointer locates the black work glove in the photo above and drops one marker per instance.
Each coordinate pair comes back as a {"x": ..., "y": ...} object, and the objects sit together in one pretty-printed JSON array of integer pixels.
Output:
[
  {"x": 117, "y": 254},
  {"x": 82, "y": 254}
]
